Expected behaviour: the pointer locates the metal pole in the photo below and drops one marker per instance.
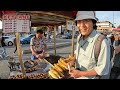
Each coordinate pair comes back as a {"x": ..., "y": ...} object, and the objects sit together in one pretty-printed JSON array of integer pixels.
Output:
[
  {"x": 73, "y": 29},
  {"x": 113, "y": 18},
  {"x": 55, "y": 28}
]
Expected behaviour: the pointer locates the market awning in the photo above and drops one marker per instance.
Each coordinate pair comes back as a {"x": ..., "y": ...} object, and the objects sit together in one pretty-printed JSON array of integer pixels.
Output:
[
  {"x": 39, "y": 18},
  {"x": 116, "y": 29}
]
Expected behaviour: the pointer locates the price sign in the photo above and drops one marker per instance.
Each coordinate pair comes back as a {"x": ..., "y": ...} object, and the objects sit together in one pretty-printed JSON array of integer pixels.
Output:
[
  {"x": 16, "y": 23},
  {"x": 23, "y": 23},
  {"x": 8, "y": 23},
  {"x": 70, "y": 24}
]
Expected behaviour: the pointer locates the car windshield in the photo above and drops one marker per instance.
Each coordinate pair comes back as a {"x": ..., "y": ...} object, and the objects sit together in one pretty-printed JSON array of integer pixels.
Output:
[
  {"x": 67, "y": 34},
  {"x": 32, "y": 35},
  {"x": 6, "y": 37}
]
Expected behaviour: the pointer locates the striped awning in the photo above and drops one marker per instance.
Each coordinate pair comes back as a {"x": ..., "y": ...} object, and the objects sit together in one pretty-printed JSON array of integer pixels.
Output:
[{"x": 116, "y": 29}]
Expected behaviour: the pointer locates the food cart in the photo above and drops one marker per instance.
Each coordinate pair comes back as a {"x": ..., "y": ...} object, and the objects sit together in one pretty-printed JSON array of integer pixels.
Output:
[{"x": 38, "y": 18}]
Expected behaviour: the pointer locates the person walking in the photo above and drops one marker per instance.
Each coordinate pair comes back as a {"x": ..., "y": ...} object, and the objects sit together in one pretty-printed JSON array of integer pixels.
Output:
[
  {"x": 4, "y": 54},
  {"x": 15, "y": 43}
]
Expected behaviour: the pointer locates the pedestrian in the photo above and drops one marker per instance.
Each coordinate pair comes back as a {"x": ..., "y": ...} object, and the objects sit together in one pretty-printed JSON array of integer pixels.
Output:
[
  {"x": 48, "y": 36},
  {"x": 115, "y": 71},
  {"x": 111, "y": 40},
  {"x": 15, "y": 43},
  {"x": 15, "y": 46},
  {"x": 38, "y": 45},
  {"x": 3, "y": 40},
  {"x": 116, "y": 40},
  {"x": 86, "y": 65},
  {"x": 3, "y": 54},
  {"x": 0, "y": 40}
]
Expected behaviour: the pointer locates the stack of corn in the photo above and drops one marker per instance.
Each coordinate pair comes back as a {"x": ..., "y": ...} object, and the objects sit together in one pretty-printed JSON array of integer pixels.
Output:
[{"x": 57, "y": 71}]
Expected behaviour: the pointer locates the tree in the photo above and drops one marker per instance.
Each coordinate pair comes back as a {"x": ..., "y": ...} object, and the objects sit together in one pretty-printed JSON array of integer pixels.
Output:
[{"x": 44, "y": 28}]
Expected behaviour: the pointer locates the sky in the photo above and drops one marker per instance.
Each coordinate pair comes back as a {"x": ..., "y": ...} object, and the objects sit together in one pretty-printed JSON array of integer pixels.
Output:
[
  {"x": 104, "y": 16},
  {"x": 112, "y": 16}
]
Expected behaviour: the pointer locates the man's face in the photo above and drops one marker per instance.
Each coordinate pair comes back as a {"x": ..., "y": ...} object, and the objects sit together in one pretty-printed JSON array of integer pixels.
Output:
[
  {"x": 85, "y": 26},
  {"x": 38, "y": 35}
]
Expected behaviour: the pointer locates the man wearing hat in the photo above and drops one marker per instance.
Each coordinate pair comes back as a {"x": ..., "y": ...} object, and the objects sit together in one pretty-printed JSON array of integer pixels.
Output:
[{"x": 86, "y": 67}]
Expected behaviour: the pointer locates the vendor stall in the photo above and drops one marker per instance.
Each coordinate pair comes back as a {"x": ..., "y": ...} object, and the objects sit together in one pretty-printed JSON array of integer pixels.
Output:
[
  {"x": 43, "y": 69},
  {"x": 38, "y": 18}
]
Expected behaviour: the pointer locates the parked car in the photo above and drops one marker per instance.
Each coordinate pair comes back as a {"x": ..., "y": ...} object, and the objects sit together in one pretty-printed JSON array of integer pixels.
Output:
[
  {"x": 9, "y": 40},
  {"x": 26, "y": 40},
  {"x": 76, "y": 34},
  {"x": 67, "y": 36}
]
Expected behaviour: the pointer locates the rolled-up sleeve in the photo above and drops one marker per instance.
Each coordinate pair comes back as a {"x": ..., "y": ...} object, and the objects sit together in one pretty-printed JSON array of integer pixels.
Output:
[{"x": 103, "y": 63}]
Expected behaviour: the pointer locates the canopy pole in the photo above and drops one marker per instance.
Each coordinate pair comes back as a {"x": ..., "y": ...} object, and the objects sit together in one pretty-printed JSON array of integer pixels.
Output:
[
  {"x": 73, "y": 29},
  {"x": 55, "y": 28},
  {"x": 19, "y": 53}
]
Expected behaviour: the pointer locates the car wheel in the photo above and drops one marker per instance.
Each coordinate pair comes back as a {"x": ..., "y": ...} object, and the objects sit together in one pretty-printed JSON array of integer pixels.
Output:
[
  {"x": 25, "y": 42},
  {"x": 10, "y": 43}
]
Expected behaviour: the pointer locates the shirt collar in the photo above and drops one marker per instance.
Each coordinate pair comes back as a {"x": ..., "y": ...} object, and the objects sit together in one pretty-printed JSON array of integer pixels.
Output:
[{"x": 90, "y": 37}]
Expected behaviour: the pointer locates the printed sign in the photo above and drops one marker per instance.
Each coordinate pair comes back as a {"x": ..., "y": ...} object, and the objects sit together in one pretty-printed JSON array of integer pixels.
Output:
[
  {"x": 16, "y": 23},
  {"x": 71, "y": 25},
  {"x": 23, "y": 23}
]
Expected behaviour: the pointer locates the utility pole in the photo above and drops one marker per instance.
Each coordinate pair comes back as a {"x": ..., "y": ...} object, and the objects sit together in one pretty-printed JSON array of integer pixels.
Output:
[{"x": 113, "y": 18}]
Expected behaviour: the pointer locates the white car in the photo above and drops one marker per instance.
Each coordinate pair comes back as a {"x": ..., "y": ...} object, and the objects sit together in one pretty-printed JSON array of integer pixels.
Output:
[{"x": 9, "y": 40}]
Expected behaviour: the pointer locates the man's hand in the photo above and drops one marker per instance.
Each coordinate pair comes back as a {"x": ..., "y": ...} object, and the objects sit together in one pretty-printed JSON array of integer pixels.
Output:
[
  {"x": 43, "y": 52},
  {"x": 41, "y": 55},
  {"x": 72, "y": 62},
  {"x": 72, "y": 57},
  {"x": 76, "y": 73},
  {"x": 38, "y": 56}
]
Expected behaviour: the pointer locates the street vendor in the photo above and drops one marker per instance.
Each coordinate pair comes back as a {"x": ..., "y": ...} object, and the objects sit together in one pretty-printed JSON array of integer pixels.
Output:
[
  {"x": 38, "y": 45},
  {"x": 86, "y": 66}
]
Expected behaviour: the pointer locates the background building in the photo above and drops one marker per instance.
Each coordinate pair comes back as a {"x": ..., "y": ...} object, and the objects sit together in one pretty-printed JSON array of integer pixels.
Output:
[{"x": 104, "y": 27}]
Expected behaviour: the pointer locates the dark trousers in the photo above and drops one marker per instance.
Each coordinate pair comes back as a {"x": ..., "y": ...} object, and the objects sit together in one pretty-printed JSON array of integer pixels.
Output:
[
  {"x": 15, "y": 49},
  {"x": 115, "y": 72}
]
